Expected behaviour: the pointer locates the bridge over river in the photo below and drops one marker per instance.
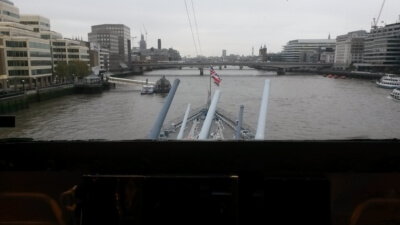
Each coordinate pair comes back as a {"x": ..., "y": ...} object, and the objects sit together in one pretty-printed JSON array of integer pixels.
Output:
[{"x": 280, "y": 67}]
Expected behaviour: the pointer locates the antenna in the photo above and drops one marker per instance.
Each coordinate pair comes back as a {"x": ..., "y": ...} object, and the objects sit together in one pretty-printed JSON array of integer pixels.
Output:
[{"x": 145, "y": 32}]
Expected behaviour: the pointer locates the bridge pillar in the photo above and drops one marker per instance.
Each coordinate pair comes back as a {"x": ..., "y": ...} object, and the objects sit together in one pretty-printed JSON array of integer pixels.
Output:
[
  {"x": 240, "y": 67},
  {"x": 220, "y": 67},
  {"x": 281, "y": 71},
  {"x": 180, "y": 67},
  {"x": 201, "y": 71},
  {"x": 225, "y": 66}
]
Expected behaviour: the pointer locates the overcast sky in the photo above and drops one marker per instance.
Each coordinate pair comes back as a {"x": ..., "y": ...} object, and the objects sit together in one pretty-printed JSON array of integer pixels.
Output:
[{"x": 237, "y": 26}]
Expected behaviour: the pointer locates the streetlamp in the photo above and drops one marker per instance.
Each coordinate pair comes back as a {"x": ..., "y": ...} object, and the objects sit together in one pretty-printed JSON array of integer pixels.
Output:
[
  {"x": 73, "y": 78},
  {"x": 23, "y": 85}
]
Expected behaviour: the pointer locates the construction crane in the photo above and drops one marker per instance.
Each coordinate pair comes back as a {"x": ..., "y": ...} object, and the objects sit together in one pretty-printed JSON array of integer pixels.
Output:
[
  {"x": 145, "y": 32},
  {"x": 375, "y": 22}
]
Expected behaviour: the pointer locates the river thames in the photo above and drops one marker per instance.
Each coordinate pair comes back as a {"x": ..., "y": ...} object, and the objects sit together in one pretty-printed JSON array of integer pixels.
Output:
[{"x": 300, "y": 107}]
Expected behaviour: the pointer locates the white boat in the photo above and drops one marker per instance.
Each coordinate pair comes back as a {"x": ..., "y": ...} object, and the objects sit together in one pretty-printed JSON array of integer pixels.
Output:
[
  {"x": 395, "y": 94},
  {"x": 147, "y": 89},
  {"x": 389, "y": 81},
  {"x": 209, "y": 122}
]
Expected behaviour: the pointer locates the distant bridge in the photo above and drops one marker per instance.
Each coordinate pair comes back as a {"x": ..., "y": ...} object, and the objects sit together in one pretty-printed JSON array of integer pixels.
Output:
[{"x": 280, "y": 67}]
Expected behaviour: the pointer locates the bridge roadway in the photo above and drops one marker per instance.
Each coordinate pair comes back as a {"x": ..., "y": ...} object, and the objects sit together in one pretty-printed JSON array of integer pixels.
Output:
[{"x": 280, "y": 67}]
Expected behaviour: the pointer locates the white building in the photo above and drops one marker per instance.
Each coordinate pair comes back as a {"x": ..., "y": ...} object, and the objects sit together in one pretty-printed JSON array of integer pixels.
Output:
[
  {"x": 99, "y": 57},
  {"x": 306, "y": 50},
  {"x": 349, "y": 49},
  {"x": 24, "y": 60},
  {"x": 39, "y": 23},
  {"x": 69, "y": 50},
  {"x": 8, "y": 12},
  {"x": 29, "y": 50}
]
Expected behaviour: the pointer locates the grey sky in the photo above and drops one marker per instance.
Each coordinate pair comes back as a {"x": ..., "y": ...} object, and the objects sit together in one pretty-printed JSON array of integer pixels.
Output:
[{"x": 234, "y": 25}]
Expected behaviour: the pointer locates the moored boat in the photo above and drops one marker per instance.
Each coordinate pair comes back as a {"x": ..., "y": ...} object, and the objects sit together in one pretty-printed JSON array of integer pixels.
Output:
[
  {"x": 389, "y": 81},
  {"x": 395, "y": 94},
  {"x": 147, "y": 89}
]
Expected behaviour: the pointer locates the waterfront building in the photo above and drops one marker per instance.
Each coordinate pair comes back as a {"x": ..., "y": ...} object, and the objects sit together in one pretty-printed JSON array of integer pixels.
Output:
[
  {"x": 24, "y": 61},
  {"x": 39, "y": 23},
  {"x": 382, "y": 49},
  {"x": 29, "y": 50},
  {"x": 306, "y": 50},
  {"x": 8, "y": 12},
  {"x": 327, "y": 55},
  {"x": 117, "y": 39},
  {"x": 349, "y": 49},
  {"x": 25, "y": 58},
  {"x": 104, "y": 59},
  {"x": 99, "y": 57},
  {"x": 69, "y": 50}
]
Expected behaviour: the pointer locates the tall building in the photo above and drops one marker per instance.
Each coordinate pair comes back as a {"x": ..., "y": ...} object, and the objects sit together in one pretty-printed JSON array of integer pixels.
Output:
[
  {"x": 382, "y": 49},
  {"x": 142, "y": 43},
  {"x": 117, "y": 39},
  {"x": 349, "y": 49},
  {"x": 306, "y": 50}
]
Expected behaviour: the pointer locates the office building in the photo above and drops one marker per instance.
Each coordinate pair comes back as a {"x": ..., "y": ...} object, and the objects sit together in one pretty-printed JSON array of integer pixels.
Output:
[
  {"x": 25, "y": 58},
  {"x": 349, "y": 49},
  {"x": 8, "y": 12},
  {"x": 117, "y": 39},
  {"x": 382, "y": 49},
  {"x": 306, "y": 50},
  {"x": 29, "y": 50},
  {"x": 67, "y": 50},
  {"x": 39, "y": 23}
]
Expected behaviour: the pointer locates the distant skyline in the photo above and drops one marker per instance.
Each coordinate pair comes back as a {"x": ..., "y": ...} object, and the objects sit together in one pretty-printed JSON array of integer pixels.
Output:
[{"x": 235, "y": 26}]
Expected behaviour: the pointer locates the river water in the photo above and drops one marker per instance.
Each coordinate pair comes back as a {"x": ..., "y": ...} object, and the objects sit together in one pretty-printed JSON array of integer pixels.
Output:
[{"x": 300, "y": 107}]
